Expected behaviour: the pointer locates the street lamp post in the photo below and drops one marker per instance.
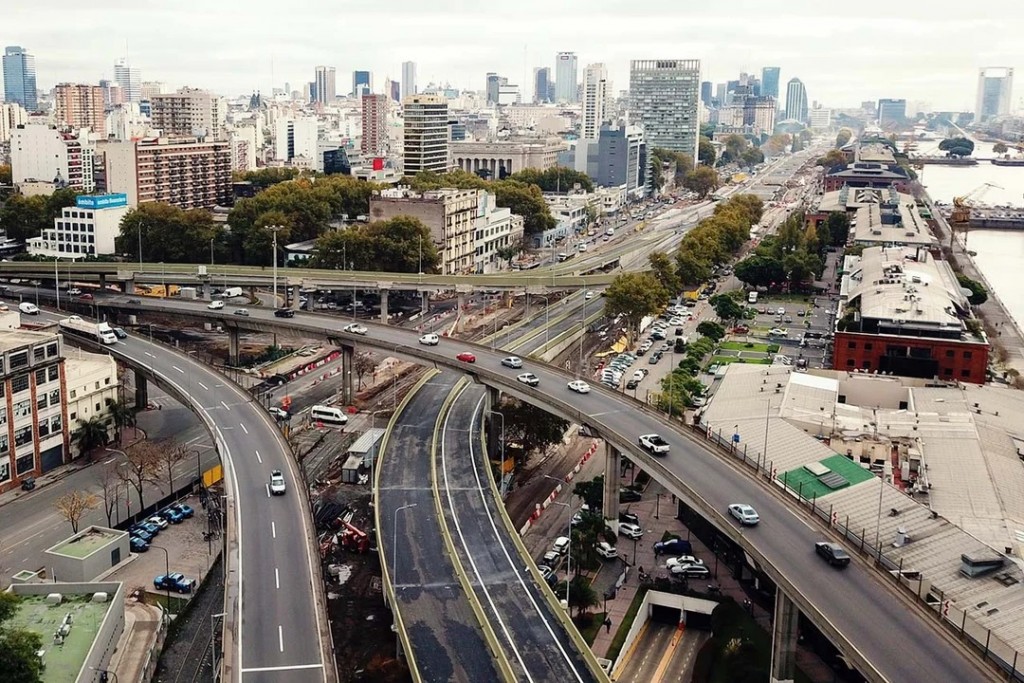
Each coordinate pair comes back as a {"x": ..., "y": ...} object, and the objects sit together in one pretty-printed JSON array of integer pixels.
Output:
[
  {"x": 501, "y": 485},
  {"x": 274, "y": 229},
  {"x": 211, "y": 250},
  {"x": 568, "y": 557},
  {"x": 167, "y": 572}
]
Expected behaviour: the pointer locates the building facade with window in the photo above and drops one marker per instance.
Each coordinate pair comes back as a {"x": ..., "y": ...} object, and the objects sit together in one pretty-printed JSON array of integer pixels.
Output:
[
  {"x": 90, "y": 383},
  {"x": 86, "y": 229}
]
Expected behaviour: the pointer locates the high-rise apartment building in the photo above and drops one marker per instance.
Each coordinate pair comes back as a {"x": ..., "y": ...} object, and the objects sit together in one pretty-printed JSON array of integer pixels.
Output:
[
  {"x": 541, "y": 84},
  {"x": 44, "y": 154},
  {"x": 891, "y": 112},
  {"x": 150, "y": 89},
  {"x": 770, "y": 81},
  {"x": 820, "y": 118},
  {"x": 113, "y": 95},
  {"x": 12, "y": 115},
  {"x": 184, "y": 172},
  {"x": 796, "y": 100},
  {"x": 995, "y": 88},
  {"x": 362, "y": 83},
  {"x": 425, "y": 134},
  {"x": 20, "y": 77},
  {"x": 408, "y": 79},
  {"x": 665, "y": 95},
  {"x": 190, "y": 112},
  {"x": 595, "y": 98},
  {"x": 324, "y": 85},
  {"x": 81, "y": 106},
  {"x": 129, "y": 79},
  {"x": 374, "y": 142},
  {"x": 566, "y": 82}
]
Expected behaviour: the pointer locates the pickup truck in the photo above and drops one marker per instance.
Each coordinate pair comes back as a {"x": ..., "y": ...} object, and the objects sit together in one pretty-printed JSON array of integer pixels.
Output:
[{"x": 176, "y": 582}]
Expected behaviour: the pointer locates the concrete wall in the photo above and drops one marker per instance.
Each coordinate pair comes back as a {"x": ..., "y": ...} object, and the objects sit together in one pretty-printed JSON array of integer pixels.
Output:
[
  {"x": 67, "y": 568},
  {"x": 681, "y": 602}
]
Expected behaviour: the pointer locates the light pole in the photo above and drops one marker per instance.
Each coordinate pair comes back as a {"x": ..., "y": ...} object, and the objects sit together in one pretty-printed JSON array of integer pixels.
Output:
[
  {"x": 394, "y": 543},
  {"x": 167, "y": 572},
  {"x": 501, "y": 485},
  {"x": 274, "y": 229},
  {"x": 568, "y": 556},
  {"x": 140, "y": 248},
  {"x": 547, "y": 308},
  {"x": 211, "y": 250},
  {"x": 56, "y": 282}
]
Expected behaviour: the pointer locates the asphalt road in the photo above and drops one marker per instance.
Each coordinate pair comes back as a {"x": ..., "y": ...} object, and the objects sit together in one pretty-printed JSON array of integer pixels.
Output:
[
  {"x": 855, "y": 602},
  {"x": 445, "y": 637},
  {"x": 537, "y": 646}
]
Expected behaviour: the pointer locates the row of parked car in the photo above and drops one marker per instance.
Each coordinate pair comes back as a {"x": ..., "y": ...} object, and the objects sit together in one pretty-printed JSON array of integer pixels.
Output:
[{"x": 142, "y": 533}]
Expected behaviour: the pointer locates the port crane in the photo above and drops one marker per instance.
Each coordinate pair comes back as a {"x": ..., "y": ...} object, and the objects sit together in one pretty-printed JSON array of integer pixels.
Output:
[{"x": 960, "y": 218}]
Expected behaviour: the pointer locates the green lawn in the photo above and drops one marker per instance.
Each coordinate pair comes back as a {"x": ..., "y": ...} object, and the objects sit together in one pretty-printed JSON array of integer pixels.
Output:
[
  {"x": 754, "y": 347},
  {"x": 808, "y": 485},
  {"x": 726, "y": 360}
]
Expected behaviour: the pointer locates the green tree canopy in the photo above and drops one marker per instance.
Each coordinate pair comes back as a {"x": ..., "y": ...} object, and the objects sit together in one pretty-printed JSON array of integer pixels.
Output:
[
  {"x": 691, "y": 267},
  {"x": 665, "y": 271},
  {"x": 5, "y": 174},
  {"x": 554, "y": 179},
  {"x": 18, "y": 647},
  {"x": 532, "y": 427},
  {"x": 843, "y": 137},
  {"x": 682, "y": 160},
  {"x": 832, "y": 160},
  {"x": 635, "y": 296},
  {"x": 263, "y": 178},
  {"x": 711, "y": 330},
  {"x": 726, "y": 307},
  {"x": 591, "y": 492},
  {"x": 838, "y": 228},
  {"x": 168, "y": 234},
  {"x": 957, "y": 146},
  {"x": 761, "y": 271},
  {"x": 706, "y": 151},
  {"x": 24, "y": 217},
  {"x": 998, "y": 148},
  {"x": 703, "y": 181},
  {"x": 394, "y": 246},
  {"x": 979, "y": 294}
]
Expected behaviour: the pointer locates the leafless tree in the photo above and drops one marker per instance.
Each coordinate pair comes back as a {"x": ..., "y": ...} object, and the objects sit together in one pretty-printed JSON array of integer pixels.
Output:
[
  {"x": 73, "y": 505},
  {"x": 168, "y": 456},
  {"x": 110, "y": 490},
  {"x": 141, "y": 467},
  {"x": 363, "y": 364}
]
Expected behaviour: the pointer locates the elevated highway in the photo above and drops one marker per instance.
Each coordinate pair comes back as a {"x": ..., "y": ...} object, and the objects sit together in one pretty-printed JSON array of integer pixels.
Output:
[{"x": 857, "y": 611}]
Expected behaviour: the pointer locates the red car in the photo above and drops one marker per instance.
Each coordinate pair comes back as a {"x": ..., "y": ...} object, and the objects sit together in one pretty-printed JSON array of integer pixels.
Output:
[
  {"x": 740, "y": 329},
  {"x": 466, "y": 357},
  {"x": 86, "y": 297}
]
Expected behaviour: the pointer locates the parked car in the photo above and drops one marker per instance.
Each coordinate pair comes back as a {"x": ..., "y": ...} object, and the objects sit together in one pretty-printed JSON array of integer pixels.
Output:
[
  {"x": 690, "y": 571},
  {"x": 466, "y": 357},
  {"x": 632, "y": 384},
  {"x": 171, "y": 515},
  {"x": 628, "y": 496},
  {"x": 832, "y": 553},
  {"x": 561, "y": 545},
  {"x": 279, "y": 413},
  {"x": 673, "y": 546},
  {"x": 430, "y": 339},
  {"x": 629, "y": 518},
  {"x": 744, "y": 514},
  {"x": 514, "y": 362},
  {"x": 137, "y": 545},
  {"x": 546, "y": 572},
  {"x": 607, "y": 550},
  {"x": 184, "y": 510},
  {"x": 632, "y": 531},
  {"x": 681, "y": 560},
  {"x": 158, "y": 520},
  {"x": 175, "y": 582},
  {"x": 142, "y": 534},
  {"x": 355, "y": 328}
]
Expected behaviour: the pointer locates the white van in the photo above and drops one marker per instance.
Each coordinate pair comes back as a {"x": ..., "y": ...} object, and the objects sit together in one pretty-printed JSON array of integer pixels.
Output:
[
  {"x": 610, "y": 232},
  {"x": 328, "y": 415},
  {"x": 28, "y": 309}
]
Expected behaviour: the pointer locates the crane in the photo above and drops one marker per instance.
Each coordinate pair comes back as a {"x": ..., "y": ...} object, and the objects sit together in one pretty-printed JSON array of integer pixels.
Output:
[{"x": 960, "y": 218}]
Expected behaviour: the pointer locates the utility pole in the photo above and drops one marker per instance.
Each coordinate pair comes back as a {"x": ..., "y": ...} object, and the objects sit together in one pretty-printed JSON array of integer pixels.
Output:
[{"x": 274, "y": 229}]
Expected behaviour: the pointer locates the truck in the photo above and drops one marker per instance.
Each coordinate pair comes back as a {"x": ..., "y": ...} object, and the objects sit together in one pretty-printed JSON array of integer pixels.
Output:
[
  {"x": 231, "y": 292},
  {"x": 100, "y": 332}
]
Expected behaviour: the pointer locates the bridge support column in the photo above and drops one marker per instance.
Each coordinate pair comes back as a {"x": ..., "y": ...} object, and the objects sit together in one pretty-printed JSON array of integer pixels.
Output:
[
  {"x": 232, "y": 346},
  {"x": 424, "y": 302},
  {"x": 141, "y": 391},
  {"x": 460, "y": 303},
  {"x": 207, "y": 291},
  {"x": 348, "y": 354},
  {"x": 296, "y": 297},
  {"x": 384, "y": 306},
  {"x": 103, "y": 281},
  {"x": 612, "y": 475},
  {"x": 784, "y": 639},
  {"x": 128, "y": 286}
]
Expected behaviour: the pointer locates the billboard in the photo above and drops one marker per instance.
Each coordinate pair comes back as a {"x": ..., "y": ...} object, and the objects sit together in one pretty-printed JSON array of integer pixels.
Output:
[{"x": 102, "y": 201}]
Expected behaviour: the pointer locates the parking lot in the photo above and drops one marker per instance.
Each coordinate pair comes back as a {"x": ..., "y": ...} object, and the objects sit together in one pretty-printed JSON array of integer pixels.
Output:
[{"x": 801, "y": 329}]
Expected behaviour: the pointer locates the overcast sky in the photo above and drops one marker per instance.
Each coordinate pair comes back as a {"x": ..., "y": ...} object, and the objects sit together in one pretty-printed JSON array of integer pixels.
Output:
[{"x": 844, "y": 53}]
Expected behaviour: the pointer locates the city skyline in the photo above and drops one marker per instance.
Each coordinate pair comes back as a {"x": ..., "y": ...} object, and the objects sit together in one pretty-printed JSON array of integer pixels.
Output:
[{"x": 255, "y": 55}]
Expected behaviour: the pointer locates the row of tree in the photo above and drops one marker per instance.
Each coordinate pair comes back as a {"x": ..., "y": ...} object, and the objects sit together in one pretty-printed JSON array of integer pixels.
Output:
[
  {"x": 716, "y": 238},
  {"x": 23, "y": 217},
  {"x": 739, "y": 150},
  {"x": 795, "y": 254},
  {"x": 400, "y": 245}
]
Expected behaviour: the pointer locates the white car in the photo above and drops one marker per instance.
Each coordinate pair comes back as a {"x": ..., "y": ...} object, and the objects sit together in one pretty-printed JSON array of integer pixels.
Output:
[
  {"x": 512, "y": 362},
  {"x": 277, "y": 487},
  {"x": 654, "y": 443},
  {"x": 589, "y": 295},
  {"x": 528, "y": 378},
  {"x": 430, "y": 339},
  {"x": 630, "y": 530},
  {"x": 215, "y": 305},
  {"x": 355, "y": 328},
  {"x": 579, "y": 386},
  {"x": 690, "y": 571},
  {"x": 744, "y": 514},
  {"x": 605, "y": 549},
  {"x": 681, "y": 560},
  {"x": 561, "y": 545},
  {"x": 157, "y": 520}
]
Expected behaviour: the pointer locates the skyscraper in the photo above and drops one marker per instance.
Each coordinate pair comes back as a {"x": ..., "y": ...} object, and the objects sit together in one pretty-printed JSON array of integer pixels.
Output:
[
  {"x": 129, "y": 80},
  {"x": 542, "y": 84},
  {"x": 20, "y": 77},
  {"x": 361, "y": 83},
  {"x": 409, "y": 79},
  {"x": 425, "y": 134},
  {"x": 891, "y": 111},
  {"x": 664, "y": 95},
  {"x": 770, "y": 81},
  {"x": 595, "y": 95},
  {"x": 705, "y": 92},
  {"x": 566, "y": 82},
  {"x": 375, "y": 125},
  {"x": 796, "y": 100},
  {"x": 396, "y": 91},
  {"x": 995, "y": 88},
  {"x": 493, "y": 87},
  {"x": 81, "y": 106},
  {"x": 325, "y": 85}
]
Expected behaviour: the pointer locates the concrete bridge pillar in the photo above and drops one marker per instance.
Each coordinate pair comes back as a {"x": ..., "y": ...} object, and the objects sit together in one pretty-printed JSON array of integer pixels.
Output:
[
  {"x": 141, "y": 391},
  {"x": 784, "y": 639},
  {"x": 612, "y": 474},
  {"x": 384, "y": 306},
  {"x": 233, "y": 346},
  {"x": 128, "y": 286},
  {"x": 424, "y": 303},
  {"x": 296, "y": 297},
  {"x": 460, "y": 303},
  {"x": 207, "y": 291},
  {"x": 348, "y": 354},
  {"x": 103, "y": 281}
]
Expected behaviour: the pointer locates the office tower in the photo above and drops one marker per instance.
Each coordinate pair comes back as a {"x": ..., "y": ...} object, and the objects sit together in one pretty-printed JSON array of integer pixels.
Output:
[
  {"x": 595, "y": 97},
  {"x": 705, "y": 92},
  {"x": 20, "y": 77},
  {"x": 129, "y": 80},
  {"x": 361, "y": 83},
  {"x": 324, "y": 80},
  {"x": 620, "y": 149},
  {"x": 665, "y": 95},
  {"x": 425, "y": 134},
  {"x": 408, "y": 79},
  {"x": 566, "y": 83},
  {"x": 296, "y": 137},
  {"x": 891, "y": 111},
  {"x": 796, "y": 100},
  {"x": 770, "y": 81},
  {"x": 81, "y": 106},
  {"x": 190, "y": 112},
  {"x": 995, "y": 88},
  {"x": 542, "y": 84},
  {"x": 720, "y": 94},
  {"x": 493, "y": 87},
  {"x": 375, "y": 125},
  {"x": 396, "y": 91}
]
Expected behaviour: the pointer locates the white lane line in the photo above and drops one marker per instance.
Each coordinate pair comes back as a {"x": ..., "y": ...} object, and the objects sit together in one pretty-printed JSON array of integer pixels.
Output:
[
  {"x": 107, "y": 462},
  {"x": 273, "y": 529},
  {"x": 277, "y": 579},
  {"x": 258, "y": 457},
  {"x": 178, "y": 369},
  {"x": 243, "y": 427},
  {"x": 268, "y": 490},
  {"x": 149, "y": 354},
  {"x": 205, "y": 388},
  {"x": 256, "y": 669},
  {"x": 280, "y": 637},
  {"x": 226, "y": 406}
]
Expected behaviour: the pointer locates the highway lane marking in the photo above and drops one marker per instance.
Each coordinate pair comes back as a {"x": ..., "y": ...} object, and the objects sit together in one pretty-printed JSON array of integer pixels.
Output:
[
  {"x": 149, "y": 354},
  {"x": 243, "y": 427},
  {"x": 107, "y": 462},
  {"x": 226, "y": 406},
  {"x": 178, "y": 369},
  {"x": 258, "y": 457},
  {"x": 282, "y": 668},
  {"x": 280, "y": 637},
  {"x": 277, "y": 579},
  {"x": 268, "y": 490},
  {"x": 273, "y": 529},
  {"x": 205, "y": 388}
]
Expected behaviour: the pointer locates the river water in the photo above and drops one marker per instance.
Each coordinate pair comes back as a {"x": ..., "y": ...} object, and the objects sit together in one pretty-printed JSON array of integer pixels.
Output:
[{"x": 1000, "y": 253}]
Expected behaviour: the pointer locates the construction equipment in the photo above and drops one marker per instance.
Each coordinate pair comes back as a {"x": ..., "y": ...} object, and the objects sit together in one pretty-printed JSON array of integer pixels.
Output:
[{"x": 960, "y": 218}]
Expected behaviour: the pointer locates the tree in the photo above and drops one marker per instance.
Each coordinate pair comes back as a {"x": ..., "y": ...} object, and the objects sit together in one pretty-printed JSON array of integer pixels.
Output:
[
  {"x": 168, "y": 456},
  {"x": 752, "y": 157},
  {"x": 998, "y": 148},
  {"x": 778, "y": 143},
  {"x": 665, "y": 271},
  {"x": 711, "y": 330},
  {"x": 24, "y": 217},
  {"x": 843, "y": 137},
  {"x": 838, "y": 227},
  {"x": 706, "y": 152},
  {"x": 73, "y": 505},
  {"x": 140, "y": 467},
  {"x": 263, "y": 178},
  {"x": 402, "y": 244},
  {"x": 703, "y": 180},
  {"x": 979, "y": 294},
  {"x": 363, "y": 364},
  {"x": 832, "y": 160},
  {"x": 168, "y": 234},
  {"x": 122, "y": 415},
  {"x": 591, "y": 492},
  {"x": 532, "y": 427},
  {"x": 634, "y": 296},
  {"x": 528, "y": 202},
  {"x": 957, "y": 146},
  {"x": 5, "y": 174},
  {"x": 726, "y": 307},
  {"x": 760, "y": 271},
  {"x": 510, "y": 252},
  {"x": 554, "y": 179},
  {"x": 691, "y": 268},
  {"x": 91, "y": 434},
  {"x": 582, "y": 595},
  {"x": 18, "y": 647},
  {"x": 110, "y": 490}
]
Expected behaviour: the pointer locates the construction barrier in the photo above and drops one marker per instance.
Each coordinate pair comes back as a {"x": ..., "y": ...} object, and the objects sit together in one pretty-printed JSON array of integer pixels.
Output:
[{"x": 540, "y": 507}]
